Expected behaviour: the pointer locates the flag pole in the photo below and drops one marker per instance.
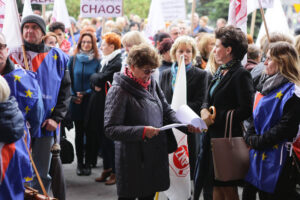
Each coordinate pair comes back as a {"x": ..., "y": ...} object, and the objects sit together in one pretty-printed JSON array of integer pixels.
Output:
[
  {"x": 264, "y": 19},
  {"x": 192, "y": 16},
  {"x": 253, "y": 23},
  {"x": 44, "y": 12},
  {"x": 72, "y": 35},
  {"x": 156, "y": 195}
]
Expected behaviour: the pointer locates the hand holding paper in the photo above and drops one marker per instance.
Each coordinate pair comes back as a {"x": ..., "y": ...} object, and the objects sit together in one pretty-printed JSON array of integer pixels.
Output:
[{"x": 187, "y": 116}]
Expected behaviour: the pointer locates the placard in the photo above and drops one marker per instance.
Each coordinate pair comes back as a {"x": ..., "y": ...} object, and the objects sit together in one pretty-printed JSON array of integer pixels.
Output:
[
  {"x": 42, "y": 2},
  {"x": 101, "y": 8}
]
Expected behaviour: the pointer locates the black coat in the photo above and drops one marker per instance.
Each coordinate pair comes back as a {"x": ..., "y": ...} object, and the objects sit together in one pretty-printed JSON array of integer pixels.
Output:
[
  {"x": 142, "y": 165},
  {"x": 95, "y": 111},
  {"x": 197, "y": 83},
  {"x": 234, "y": 92},
  {"x": 11, "y": 121}
]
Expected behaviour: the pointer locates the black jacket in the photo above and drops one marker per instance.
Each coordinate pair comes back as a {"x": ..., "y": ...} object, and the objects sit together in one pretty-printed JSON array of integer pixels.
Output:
[
  {"x": 234, "y": 92},
  {"x": 11, "y": 121},
  {"x": 95, "y": 110},
  {"x": 142, "y": 165}
]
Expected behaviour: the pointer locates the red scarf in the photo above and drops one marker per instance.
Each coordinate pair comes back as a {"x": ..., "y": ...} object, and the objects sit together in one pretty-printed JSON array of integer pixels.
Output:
[{"x": 141, "y": 82}]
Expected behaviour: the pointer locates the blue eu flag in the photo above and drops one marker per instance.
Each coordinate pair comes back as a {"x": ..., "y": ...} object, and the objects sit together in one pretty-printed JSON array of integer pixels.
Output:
[{"x": 266, "y": 165}]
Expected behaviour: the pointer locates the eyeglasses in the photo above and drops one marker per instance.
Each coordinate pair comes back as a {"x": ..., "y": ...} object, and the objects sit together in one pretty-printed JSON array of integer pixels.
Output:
[
  {"x": 86, "y": 42},
  {"x": 2, "y": 46},
  {"x": 148, "y": 71}
]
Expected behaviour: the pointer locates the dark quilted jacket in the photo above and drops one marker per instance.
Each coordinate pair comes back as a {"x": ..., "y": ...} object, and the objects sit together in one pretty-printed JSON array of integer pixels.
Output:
[{"x": 142, "y": 166}]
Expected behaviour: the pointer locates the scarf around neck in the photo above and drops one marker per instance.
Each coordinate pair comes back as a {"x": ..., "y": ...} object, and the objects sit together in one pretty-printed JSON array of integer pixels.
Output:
[
  {"x": 89, "y": 54},
  {"x": 269, "y": 83},
  {"x": 141, "y": 82},
  {"x": 106, "y": 59},
  {"x": 174, "y": 69}
]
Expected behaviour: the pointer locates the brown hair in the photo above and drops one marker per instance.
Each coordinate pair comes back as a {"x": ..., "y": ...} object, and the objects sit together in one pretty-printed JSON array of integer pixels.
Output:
[
  {"x": 112, "y": 39},
  {"x": 204, "y": 41},
  {"x": 49, "y": 34},
  {"x": 286, "y": 56},
  {"x": 143, "y": 54},
  {"x": 233, "y": 37},
  {"x": 88, "y": 31}
]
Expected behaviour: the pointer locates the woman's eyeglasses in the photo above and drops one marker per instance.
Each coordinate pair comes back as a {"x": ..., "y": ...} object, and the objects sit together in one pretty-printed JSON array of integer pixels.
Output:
[{"x": 86, "y": 42}]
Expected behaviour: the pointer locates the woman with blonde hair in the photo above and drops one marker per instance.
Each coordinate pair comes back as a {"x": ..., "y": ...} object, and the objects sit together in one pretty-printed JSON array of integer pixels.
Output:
[
  {"x": 275, "y": 125},
  {"x": 205, "y": 46},
  {"x": 196, "y": 81}
]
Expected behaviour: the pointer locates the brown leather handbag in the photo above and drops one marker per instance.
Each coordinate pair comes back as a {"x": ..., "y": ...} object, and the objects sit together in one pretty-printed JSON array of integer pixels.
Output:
[
  {"x": 30, "y": 193},
  {"x": 230, "y": 154}
]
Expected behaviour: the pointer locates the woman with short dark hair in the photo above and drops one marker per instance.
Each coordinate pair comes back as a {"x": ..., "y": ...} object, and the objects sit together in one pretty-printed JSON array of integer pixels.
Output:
[
  {"x": 135, "y": 108},
  {"x": 230, "y": 89}
]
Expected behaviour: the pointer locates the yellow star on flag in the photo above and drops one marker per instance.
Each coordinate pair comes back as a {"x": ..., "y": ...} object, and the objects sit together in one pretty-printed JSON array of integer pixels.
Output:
[
  {"x": 275, "y": 146},
  {"x": 28, "y": 179},
  {"x": 27, "y": 109},
  {"x": 52, "y": 109},
  {"x": 279, "y": 95},
  {"x": 28, "y": 93},
  {"x": 264, "y": 156},
  {"x": 55, "y": 57},
  {"x": 17, "y": 78},
  {"x": 254, "y": 155}
]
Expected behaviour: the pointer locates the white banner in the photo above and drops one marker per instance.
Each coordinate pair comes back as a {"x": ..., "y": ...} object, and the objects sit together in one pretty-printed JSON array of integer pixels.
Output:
[
  {"x": 42, "y": 1},
  {"x": 237, "y": 14},
  {"x": 254, "y": 4},
  {"x": 180, "y": 184},
  {"x": 60, "y": 13},
  {"x": 101, "y": 8},
  {"x": 173, "y": 10},
  {"x": 2, "y": 14}
]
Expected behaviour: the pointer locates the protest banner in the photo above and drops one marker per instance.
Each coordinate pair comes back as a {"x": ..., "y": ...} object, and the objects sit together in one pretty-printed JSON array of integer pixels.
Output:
[
  {"x": 2, "y": 14},
  {"x": 45, "y": 2},
  {"x": 173, "y": 10},
  {"x": 101, "y": 8}
]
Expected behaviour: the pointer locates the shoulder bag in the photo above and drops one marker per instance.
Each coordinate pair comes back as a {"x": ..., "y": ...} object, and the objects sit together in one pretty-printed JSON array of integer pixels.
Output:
[{"x": 230, "y": 154}]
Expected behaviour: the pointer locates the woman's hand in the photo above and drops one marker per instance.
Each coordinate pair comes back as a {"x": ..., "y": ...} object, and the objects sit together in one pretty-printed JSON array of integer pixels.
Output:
[
  {"x": 151, "y": 131},
  {"x": 193, "y": 129},
  {"x": 207, "y": 117},
  {"x": 97, "y": 89}
]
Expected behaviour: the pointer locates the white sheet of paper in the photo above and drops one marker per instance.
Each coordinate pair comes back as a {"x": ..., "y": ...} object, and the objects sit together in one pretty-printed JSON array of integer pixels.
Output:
[
  {"x": 171, "y": 126},
  {"x": 187, "y": 116}
]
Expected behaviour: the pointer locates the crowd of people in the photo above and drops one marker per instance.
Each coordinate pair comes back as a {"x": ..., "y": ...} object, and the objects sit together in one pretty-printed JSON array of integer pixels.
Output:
[{"x": 116, "y": 86}]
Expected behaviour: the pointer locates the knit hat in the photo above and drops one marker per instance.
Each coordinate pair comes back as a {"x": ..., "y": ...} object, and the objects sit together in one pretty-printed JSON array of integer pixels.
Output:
[{"x": 34, "y": 19}]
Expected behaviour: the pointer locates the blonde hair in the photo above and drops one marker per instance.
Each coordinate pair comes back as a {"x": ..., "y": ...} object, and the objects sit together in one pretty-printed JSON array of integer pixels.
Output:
[
  {"x": 287, "y": 59},
  {"x": 297, "y": 44},
  {"x": 204, "y": 41},
  {"x": 4, "y": 90},
  {"x": 183, "y": 40},
  {"x": 132, "y": 38},
  {"x": 212, "y": 66}
]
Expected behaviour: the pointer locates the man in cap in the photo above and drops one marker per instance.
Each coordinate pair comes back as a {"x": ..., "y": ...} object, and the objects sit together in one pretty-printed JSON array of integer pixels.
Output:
[{"x": 49, "y": 64}]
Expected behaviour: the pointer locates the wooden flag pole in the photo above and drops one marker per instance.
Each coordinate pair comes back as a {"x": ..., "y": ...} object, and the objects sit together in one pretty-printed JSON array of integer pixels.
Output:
[
  {"x": 72, "y": 35},
  {"x": 264, "y": 19},
  {"x": 156, "y": 195},
  {"x": 192, "y": 16},
  {"x": 253, "y": 23},
  {"x": 44, "y": 12},
  {"x": 25, "y": 57}
]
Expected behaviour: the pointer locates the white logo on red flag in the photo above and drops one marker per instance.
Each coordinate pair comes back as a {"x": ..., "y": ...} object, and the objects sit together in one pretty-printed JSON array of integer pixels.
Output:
[{"x": 2, "y": 14}]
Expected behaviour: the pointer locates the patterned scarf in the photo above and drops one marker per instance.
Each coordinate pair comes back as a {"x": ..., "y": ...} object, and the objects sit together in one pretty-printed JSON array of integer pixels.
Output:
[
  {"x": 218, "y": 75},
  {"x": 141, "y": 82},
  {"x": 174, "y": 70}
]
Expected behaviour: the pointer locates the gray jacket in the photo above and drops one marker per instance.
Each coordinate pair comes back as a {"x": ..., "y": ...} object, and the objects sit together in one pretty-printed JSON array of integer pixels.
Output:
[{"x": 142, "y": 166}]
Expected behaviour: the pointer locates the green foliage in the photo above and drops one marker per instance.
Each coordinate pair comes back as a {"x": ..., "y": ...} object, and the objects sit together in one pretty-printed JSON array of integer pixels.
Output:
[
  {"x": 73, "y": 7},
  {"x": 138, "y": 7}
]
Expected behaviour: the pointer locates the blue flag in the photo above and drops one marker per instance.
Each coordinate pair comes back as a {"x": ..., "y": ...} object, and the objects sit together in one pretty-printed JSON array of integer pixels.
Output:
[
  {"x": 25, "y": 88},
  {"x": 15, "y": 170},
  {"x": 266, "y": 165}
]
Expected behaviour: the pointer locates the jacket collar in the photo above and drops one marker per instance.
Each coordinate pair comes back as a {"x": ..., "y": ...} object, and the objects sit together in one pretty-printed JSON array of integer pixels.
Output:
[
  {"x": 9, "y": 67},
  {"x": 38, "y": 48}
]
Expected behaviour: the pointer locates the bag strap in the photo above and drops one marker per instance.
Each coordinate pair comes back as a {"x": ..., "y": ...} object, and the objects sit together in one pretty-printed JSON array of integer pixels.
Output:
[
  {"x": 34, "y": 167},
  {"x": 229, "y": 118}
]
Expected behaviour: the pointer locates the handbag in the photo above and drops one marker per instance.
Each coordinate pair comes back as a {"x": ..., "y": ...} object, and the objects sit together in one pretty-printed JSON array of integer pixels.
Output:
[
  {"x": 230, "y": 155},
  {"x": 66, "y": 151}
]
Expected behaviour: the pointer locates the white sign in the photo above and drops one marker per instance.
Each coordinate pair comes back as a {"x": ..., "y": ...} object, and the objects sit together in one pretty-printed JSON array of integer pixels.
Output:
[
  {"x": 42, "y": 1},
  {"x": 101, "y": 8},
  {"x": 173, "y": 10}
]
